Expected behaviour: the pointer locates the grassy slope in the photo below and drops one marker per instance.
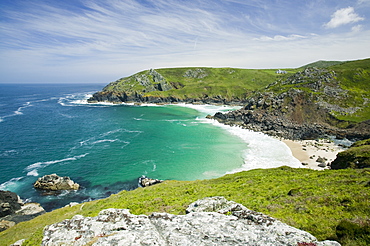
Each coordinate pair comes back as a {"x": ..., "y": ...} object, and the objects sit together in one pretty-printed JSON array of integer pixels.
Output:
[
  {"x": 225, "y": 82},
  {"x": 321, "y": 200}
]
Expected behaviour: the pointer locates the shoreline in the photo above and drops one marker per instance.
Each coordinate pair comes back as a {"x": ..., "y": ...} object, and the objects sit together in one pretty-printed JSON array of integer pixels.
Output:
[{"x": 314, "y": 154}]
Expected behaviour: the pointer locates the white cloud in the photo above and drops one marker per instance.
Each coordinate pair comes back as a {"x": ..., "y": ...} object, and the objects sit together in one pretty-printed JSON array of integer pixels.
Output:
[
  {"x": 343, "y": 16},
  {"x": 280, "y": 38},
  {"x": 357, "y": 28}
]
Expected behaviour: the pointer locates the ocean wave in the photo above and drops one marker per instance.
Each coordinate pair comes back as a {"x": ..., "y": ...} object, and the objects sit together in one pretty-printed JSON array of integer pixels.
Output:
[
  {"x": 33, "y": 168},
  {"x": 263, "y": 151},
  {"x": 10, "y": 183},
  {"x": 9, "y": 153},
  {"x": 16, "y": 112}
]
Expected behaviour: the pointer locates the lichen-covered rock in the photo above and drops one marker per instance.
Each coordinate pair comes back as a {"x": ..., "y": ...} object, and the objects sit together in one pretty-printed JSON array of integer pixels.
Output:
[
  {"x": 54, "y": 182},
  {"x": 145, "y": 181},
  {"x": 224, "y": 223}
]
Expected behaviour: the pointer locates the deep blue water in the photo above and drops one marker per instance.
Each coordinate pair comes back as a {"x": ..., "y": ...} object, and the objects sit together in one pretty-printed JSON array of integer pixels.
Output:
[{"x": 47, "y": 129}]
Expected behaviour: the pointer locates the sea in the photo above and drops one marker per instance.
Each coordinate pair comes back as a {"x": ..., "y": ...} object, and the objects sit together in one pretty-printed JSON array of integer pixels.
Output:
[{"x": 50, "y": 128}]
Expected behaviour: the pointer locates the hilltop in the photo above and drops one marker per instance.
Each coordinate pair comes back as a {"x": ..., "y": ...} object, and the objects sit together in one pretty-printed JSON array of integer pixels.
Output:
[{"x": 306, "y": 102}]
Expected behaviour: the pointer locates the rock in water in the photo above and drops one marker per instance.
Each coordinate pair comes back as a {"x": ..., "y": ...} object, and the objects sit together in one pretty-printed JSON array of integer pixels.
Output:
[
  {"x": 210, "y": 221},
  {"x": 54, "y": 182}
]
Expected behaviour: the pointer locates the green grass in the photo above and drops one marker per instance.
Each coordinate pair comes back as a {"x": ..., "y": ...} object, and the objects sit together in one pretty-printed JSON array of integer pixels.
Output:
[{"x": 320, "y": 200}]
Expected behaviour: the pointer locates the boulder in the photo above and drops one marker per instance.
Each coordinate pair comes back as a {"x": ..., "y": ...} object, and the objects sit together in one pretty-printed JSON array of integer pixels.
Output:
[
  {"x": 6, "y": 224},
  {"x": 210, "y": 221},
  {"x": 9, "y": 203},
  {"x": 13, "y": 210},
  {"x": 145, "y": 181},
  {"x": 54, "y": 183}
]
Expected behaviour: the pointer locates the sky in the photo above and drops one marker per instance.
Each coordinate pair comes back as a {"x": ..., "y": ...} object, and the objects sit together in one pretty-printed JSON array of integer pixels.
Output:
[{"x": 95, "y": 41}]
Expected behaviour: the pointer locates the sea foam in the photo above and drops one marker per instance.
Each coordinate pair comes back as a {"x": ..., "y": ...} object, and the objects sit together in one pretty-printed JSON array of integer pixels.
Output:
[{"x": 263, "y": 151}]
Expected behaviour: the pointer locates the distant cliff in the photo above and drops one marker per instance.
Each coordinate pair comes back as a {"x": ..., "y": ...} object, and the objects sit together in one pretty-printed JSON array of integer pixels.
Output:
[
  {"x": 300, "y": 103},
  {"x": 311, "y": 103}
]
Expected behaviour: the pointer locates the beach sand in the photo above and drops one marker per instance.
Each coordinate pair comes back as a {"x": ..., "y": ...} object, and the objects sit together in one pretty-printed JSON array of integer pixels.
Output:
[{"x": 308, "y": 151}]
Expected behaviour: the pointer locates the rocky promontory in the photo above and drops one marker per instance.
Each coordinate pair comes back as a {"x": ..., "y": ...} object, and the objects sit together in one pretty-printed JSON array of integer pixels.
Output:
[
  {"x": 13, "y": 210},
  {"x": 209, "y": 221},
  {"x": 306, "y": 105}
]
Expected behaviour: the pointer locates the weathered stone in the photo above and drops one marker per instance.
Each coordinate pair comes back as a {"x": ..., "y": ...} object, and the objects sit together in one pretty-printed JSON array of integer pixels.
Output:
[
  {"x": 229, "y": 223},
  {"x": 9, "y": 203},
  {"x": 5, "y": 224},
  {"x": 54, "y": 182},
  {"x": 145, "y": 181}
]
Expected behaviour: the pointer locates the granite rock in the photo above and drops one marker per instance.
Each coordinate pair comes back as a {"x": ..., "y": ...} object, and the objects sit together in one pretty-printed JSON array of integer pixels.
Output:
[
  {"x": 210, "y": 221},
  {"x": 54, "y": 182}
]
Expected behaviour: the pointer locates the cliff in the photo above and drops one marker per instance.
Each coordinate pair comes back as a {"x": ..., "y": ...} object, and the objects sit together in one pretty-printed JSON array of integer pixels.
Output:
[
  {"x": 302, "y": 103},
  {"x": 311, "y": 103}
]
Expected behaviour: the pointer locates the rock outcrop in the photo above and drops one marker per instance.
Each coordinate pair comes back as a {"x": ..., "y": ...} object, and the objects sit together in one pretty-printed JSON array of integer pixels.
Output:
[
  {"x": 145, "y": 181},
  {"x": 210, "y": 221},
  {"x": 53, "y": 182},
  {"x": 304, "y": 106},
  {"x": 13, "y": 210},
  {"x": 357, "y": 156}
]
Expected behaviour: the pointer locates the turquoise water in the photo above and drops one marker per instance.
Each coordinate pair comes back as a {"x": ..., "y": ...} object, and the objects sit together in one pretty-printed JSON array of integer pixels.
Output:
[{"x": 47, "y": 129}]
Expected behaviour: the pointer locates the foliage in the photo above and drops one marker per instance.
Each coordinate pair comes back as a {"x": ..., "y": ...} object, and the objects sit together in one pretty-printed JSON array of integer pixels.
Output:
[
  {"x": 320, "y": 201},
  {"x": 358, "y": 156}
]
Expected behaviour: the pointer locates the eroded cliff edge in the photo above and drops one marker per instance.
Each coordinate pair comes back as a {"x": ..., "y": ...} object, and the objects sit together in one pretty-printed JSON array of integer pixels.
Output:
[{"x": 304, "y": 103}]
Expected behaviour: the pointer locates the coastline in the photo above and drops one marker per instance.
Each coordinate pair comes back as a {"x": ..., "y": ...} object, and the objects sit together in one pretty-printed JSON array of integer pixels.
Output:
[
  {"x": 309, "y": 152},
  {"x": 306, "y": 152}
]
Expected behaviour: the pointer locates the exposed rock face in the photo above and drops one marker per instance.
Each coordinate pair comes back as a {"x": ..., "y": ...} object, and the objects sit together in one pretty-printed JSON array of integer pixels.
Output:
[
  {"x": 54, "y": 182},
  {"x": 304, "y": 111},
  {"x": 145, "y": 181},
  {"x": 9, "y": 203},
  {"x": 223, "y": 223},
  {"x": 13, "y": 210}
]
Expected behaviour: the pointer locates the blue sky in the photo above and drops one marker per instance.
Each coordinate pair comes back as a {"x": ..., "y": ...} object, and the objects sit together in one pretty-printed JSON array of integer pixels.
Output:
[{"x": 94, "y": 41}]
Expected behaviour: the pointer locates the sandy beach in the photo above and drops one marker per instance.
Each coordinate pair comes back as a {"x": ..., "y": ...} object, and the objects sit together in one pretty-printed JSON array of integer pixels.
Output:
[{"x": 314, "y": 154}]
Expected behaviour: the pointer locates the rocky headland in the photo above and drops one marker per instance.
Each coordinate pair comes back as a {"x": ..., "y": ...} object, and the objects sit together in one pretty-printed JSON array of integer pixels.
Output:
[
  {"x": 306, "y": 105},
  {"x": 13, "y": 210}
]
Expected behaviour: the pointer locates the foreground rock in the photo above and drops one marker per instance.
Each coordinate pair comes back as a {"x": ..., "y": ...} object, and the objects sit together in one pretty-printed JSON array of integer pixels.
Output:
[
  {"x": 145, "y": 181},
  {"x": 210, "y": 221},
  {"x": 54, "y": 183},
  {"x": 13, "y": 210}
]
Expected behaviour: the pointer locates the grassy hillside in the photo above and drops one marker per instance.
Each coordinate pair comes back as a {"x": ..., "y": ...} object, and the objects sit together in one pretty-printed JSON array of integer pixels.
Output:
[
  {"x": 315, "y": 201},
  {"x": 322, "y": 64}
]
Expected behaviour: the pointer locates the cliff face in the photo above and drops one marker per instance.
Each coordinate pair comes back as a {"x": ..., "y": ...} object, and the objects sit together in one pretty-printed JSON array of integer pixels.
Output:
[
  {"x": 306, "y": 105},
  {"x": 210, "y": 221},
  {"x": 299, "y": 104}
]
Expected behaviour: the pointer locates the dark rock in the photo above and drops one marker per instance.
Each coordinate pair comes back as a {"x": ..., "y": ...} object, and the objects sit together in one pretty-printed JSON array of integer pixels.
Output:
[
  {"x": 13, "y": 210},
  {"x": 54, "y": 183},
  {"x": 9, "y": 203}
]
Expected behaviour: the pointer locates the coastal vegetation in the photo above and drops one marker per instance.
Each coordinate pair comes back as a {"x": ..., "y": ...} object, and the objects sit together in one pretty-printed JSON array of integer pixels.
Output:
[
  {"x": 320, "y": 202},
  {"x": 330, "y": 99}
]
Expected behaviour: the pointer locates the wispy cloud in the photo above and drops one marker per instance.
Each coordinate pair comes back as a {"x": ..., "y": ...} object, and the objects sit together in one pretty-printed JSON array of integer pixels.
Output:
[
  {"x": 343, "y": 16},
  {"x": 102, "y": 40}
]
